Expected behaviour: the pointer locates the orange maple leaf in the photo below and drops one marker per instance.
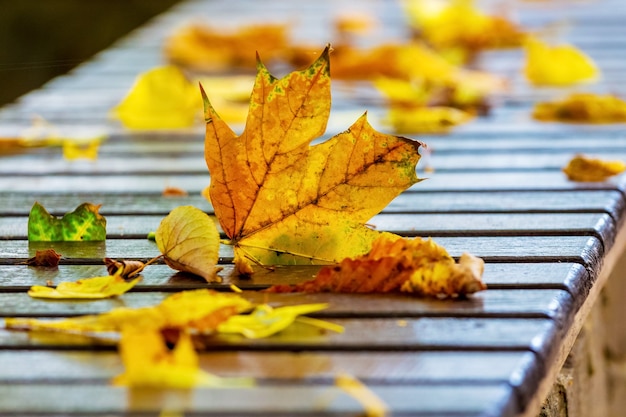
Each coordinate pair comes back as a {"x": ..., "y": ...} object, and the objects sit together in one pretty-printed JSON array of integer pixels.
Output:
[{"x": 282, "y": 201}]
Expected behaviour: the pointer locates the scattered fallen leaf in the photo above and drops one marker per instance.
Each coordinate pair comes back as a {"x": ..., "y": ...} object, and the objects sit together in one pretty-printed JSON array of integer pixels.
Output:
[
  {"x": 123, "y": 268},
  {"x": 372, "y": 404},
  {"x": 90, "y": 288},
  {"x": 425, "y": 119},
  {"x": 82, "y": 224},
  {"x": 149, "y": 362},
  {"x": 583, "y": 108},
  {"x": 281, "y": 201},
  {"x": 204, "y": 48},
  {"x": 459, "y": 24},
  {"x": 415, "y": 266},
  {"x": 85, "y": 149},
  {"x": 265, "y": 321},
  {"x": 584, "y": 169},
  {"x": 162, "y": 98},
  {"x": 198, "y": 310},
  {"x": 46, "y": 257},
  {"x": 174, "y": 192},
  {"x": 189, "y": 241},
  {"x": 354, "y": 23},
  {"x": 560, "y": 65}
]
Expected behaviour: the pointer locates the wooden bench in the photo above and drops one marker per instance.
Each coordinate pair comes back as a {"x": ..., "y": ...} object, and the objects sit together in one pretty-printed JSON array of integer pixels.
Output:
[{"x": 497, "y": 191}]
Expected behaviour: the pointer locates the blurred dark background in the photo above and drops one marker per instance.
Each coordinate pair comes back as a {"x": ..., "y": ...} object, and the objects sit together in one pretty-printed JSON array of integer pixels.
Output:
[{"x": 40, "y": 39}]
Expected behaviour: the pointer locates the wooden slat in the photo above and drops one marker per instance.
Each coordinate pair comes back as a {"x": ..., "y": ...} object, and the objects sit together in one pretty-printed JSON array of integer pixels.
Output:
[
  {"x": 580, "y": 249},
  {"x": 589, "y": 201},
  {"x": 18, "y": 367},
  {"x": 494, "y": 303},
  {"x": 566, "y": 276},
  {"x": 510, "y": 224},
  {"x": 384, "y": 334},
  {"x": 150, "y": 184},
  {"x": 276, "y": 400}
]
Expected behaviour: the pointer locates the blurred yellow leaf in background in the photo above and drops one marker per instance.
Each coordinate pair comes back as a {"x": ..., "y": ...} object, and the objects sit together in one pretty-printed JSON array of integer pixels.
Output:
[
  {"x": 583, "y": 108},
  {"x": 584, "y": 169},
  {"x": 560, "y": 65},
  {"x": 162, "y": 98}
]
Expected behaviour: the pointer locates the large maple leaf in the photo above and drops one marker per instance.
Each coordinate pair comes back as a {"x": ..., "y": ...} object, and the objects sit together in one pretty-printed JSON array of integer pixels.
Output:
[{"x": 281, "y": 200}]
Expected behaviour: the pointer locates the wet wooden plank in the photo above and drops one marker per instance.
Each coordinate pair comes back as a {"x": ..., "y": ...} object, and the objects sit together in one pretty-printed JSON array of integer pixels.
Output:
[
  {"x": 194, "y": 184},
  {"x": 371, "y": 334},
  {"x": 276, "y": 400},
  {"x": 34, "y": 367},
  {"x": 435, "y": 225},
  {"x": 579, "y": 249},
  {"x": 158, "y": 277},
  {"x": 589, "y": 201},
  {"x": 511, "y": 303}
]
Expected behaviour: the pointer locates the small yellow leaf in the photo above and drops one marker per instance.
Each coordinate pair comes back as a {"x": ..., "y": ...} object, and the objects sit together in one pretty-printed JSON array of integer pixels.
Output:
[
  {"x": 91, "y": 288},
  {"x": 162, "y": 98},
  {"x": 149, "y": 362},
  {"x": 265, "y": 321},
  {"x": 425, "y": 119},
  {"x": 189, "y": 241},
  {"x": 560, "y": 65},
  {"x": 583, "y": 108},
  {"x": 585, "y": 169},
  {"x": 73, "y": 149}
]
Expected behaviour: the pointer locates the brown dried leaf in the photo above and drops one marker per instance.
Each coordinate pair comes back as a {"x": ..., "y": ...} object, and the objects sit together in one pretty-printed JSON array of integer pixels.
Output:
[
  {"x": 128, "y": 268},
  {"x": 174, "y": 192},
  {"x": 46, "y": 257},
  {"x": 415, "y": 266}
]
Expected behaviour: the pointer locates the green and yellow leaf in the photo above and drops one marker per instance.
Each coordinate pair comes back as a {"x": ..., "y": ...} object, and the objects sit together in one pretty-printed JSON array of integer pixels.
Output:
[{"x": 82, "y": 224}]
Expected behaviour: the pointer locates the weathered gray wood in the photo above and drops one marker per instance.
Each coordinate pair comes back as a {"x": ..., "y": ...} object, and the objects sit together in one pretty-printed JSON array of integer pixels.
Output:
[
  {"x": 491, "y": 303},
  {"x": 391, "y": 334},
  {"x": 511, "y": 224},
  {"x": 277, "y": 400},
  {"x": 193, "y": 184},
  {"x": 580, "y": 249},
  {"x": 591, "y": 201},
  {"x": 400, "y": 368},
  {"x": 566, "y": 276}
]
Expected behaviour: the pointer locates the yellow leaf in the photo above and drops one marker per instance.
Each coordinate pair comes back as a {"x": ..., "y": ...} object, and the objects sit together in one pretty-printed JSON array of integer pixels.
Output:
[
  {"x": 149, "y": 362},
  {"x": 73, "y": 149},
  {"x": 265, "y": 321},
  {"x": 560, "y": 65},
  {"x": 91, "y": 288},
  {"x": 199, "y": 310},
  {"x": 425, "y": 119},
  {"x": 281, "y": 201},
  {"x": 459, "y": 23},
  {"x": 585, "y": 169},
  {"x": 162, "y": 98},
  {"x": 583, "y": 108},
  {"x": 416, "y": 266},
  {"x": 189, "y": 241}
]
